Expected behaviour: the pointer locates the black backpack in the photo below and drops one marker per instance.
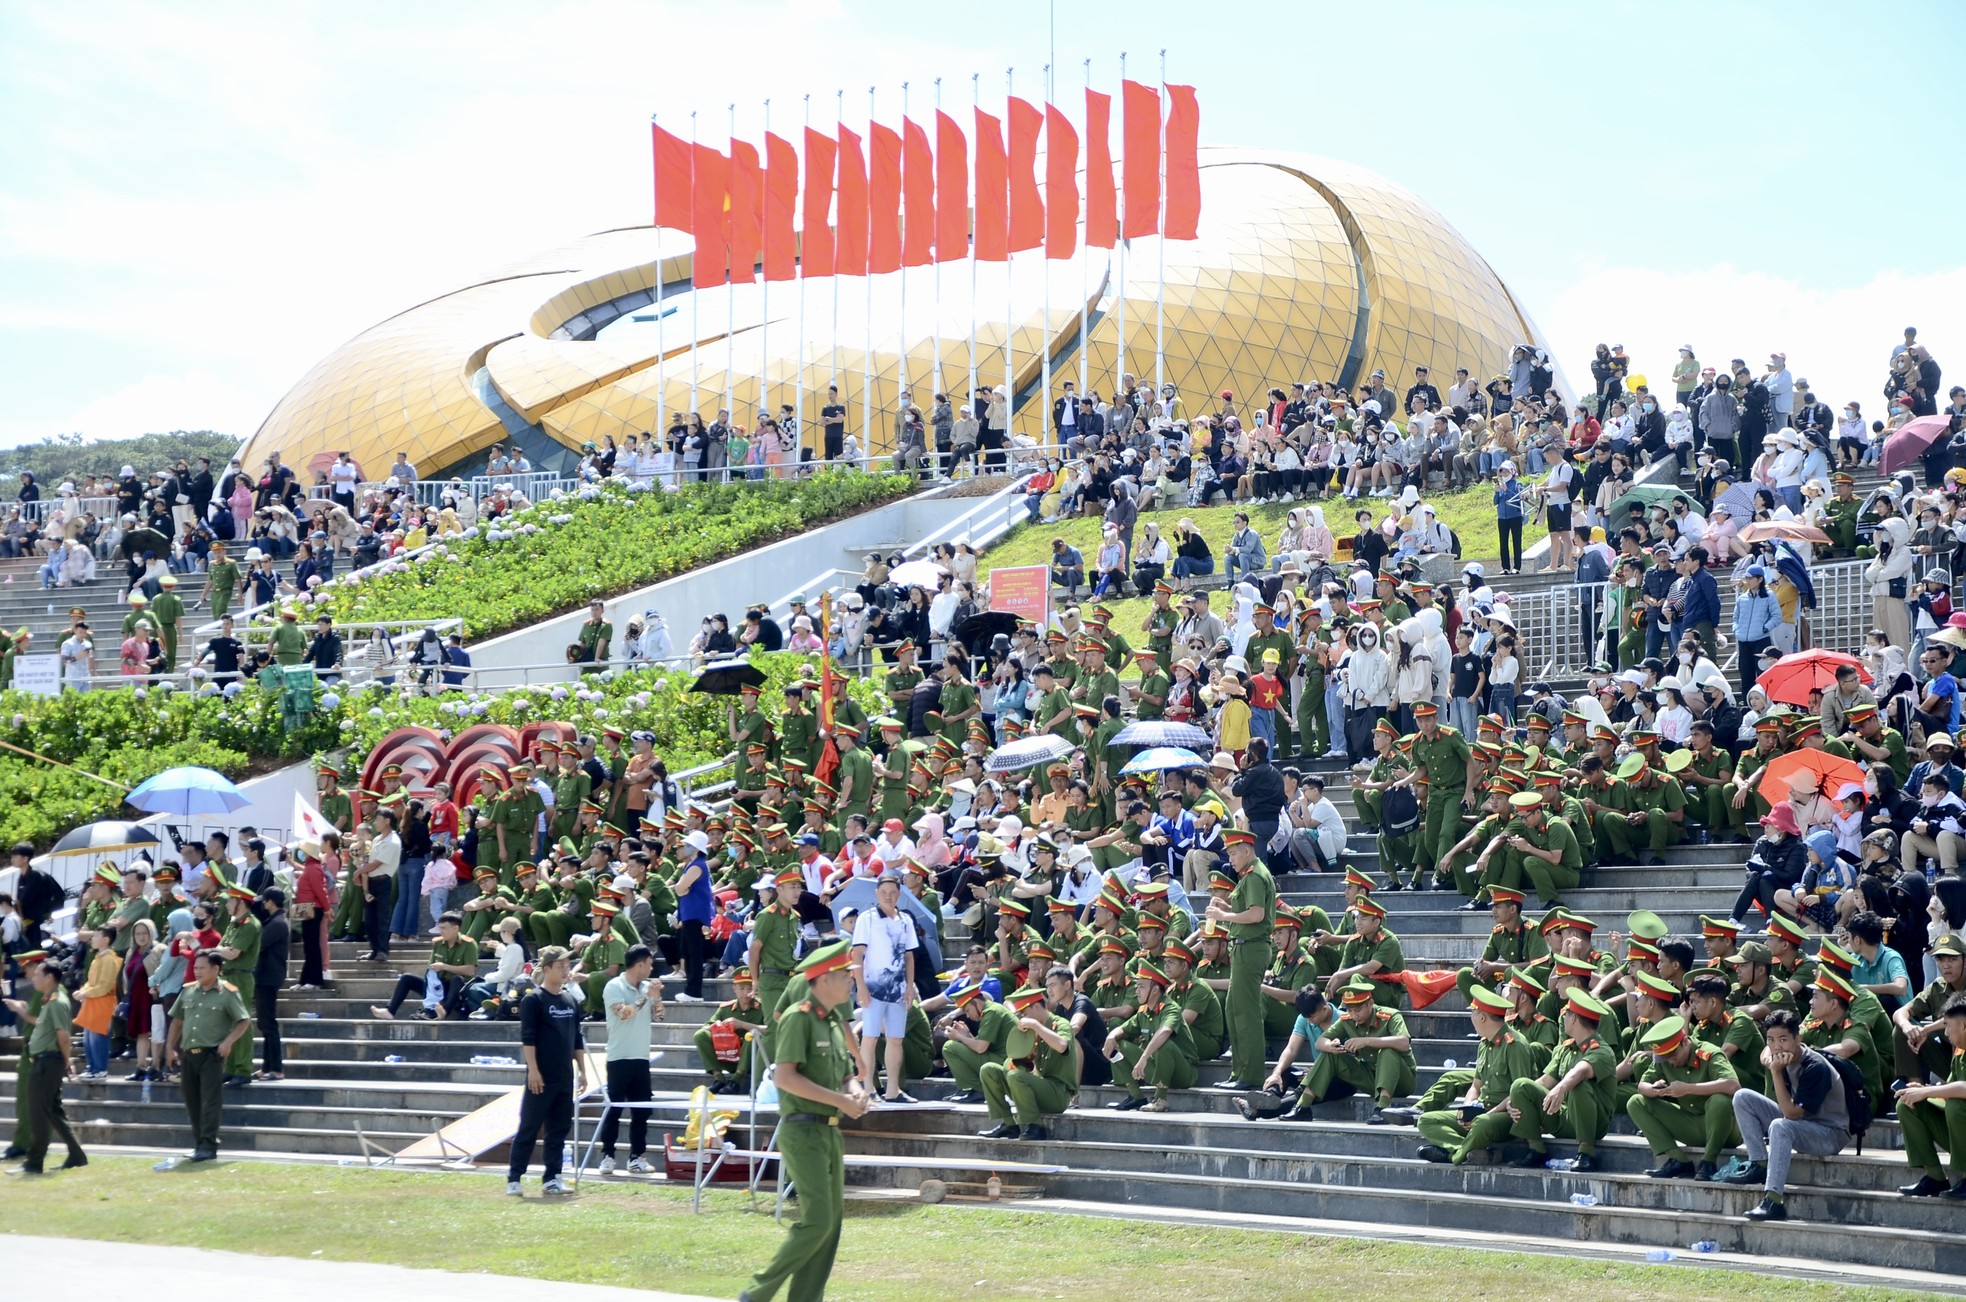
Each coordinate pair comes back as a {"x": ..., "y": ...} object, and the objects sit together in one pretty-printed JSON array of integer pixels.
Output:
[
  {"x": 1856, "y": 1097},
  {"x": 1399, "y": 814}
]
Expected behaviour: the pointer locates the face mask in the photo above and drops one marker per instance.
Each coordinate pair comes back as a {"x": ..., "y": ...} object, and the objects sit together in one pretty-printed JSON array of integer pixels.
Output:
[
  {"x": 1663, "y": 699},
  {"x": 1651, "y": 407}
]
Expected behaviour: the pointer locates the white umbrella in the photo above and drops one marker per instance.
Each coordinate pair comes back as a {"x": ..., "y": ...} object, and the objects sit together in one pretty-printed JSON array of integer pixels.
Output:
[
  {"x": 917, "y": 574},
  {"x": 1028, "y": 753}
]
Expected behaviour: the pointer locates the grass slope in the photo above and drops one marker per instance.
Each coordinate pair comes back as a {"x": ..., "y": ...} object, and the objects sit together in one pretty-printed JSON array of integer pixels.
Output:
[{"x": 644, "y": 1236}]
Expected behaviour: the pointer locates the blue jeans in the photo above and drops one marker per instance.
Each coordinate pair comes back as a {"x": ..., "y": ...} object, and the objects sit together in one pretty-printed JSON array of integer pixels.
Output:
[
  {"x": 95, "y": 1048},
  {"x": 440, "y": 899},
  {"x": 1462, "y": 713},
  {"x": 1033, "y": 503},
  {"x": 1535, "y": 461},
  {"x": 1791, "y": 495},
  {"x": 406, "y": 921},
  {"x": 1263, "y": 723},
  {"x": 1188, "y": 566}
]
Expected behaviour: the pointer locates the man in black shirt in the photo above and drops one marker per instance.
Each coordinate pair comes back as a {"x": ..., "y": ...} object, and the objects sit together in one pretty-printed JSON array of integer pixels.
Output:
[
  {"x": 1422, "y": 388},
  {"x": 37, "y": 895},
  {"x": 1260, "y": 788},
  {"x": 324, "y": 652},
  {"x": 269, "y": 974},
  {"x": 550, "y": 1038},
  {"x": 1088, "y": 1027},
  {"x": 833, "y": 417}
]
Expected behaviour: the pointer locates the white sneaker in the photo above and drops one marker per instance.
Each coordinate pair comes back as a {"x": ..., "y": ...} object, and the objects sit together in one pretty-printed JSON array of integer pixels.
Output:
[
  {"x": 555, "y": 1186},
  {"x": 514, "y": 1188},
  {"x": 685, "y": 998},
  {"x": 606, "y": 1166},
  {"x": 641, "y": 1166}
]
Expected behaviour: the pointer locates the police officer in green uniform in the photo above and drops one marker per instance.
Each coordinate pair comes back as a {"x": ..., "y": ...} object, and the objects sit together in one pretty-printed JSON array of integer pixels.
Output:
[
  {"x": 1703, "y": 774},
  {"x": 1841, "y": 513},
  {"x": 1201, "y": 1007},
  {"x": 1150, "y": 693},
  {"x": 1372, "y": 954},
  {"x": 1644, "y": 803},
  {"x": 1389, "y": 767},
  {"x": 28, "y": 1010},
  {"x": 1921, "y": 1048},
  {"x": 1685, "y": 1096},
  {"x": 1934, "y": 1116},
  {"x": 856, "y": 773},
  {"x": 208, "y": 1022},
  {"x": 978, "y": 1034},
  {"x": 239, "y": 947},
  {"x": 1540, "y": 850},
  {"x": 1731, "y": 1034},
  {"x": 1161, "y": 622},
  {"x": 1313, "y": 722},
  {"x": 1290, "y": 971},
  {"x": 1250, "y": 916},
  {"x": 1153, "y": 1047},
  {"x": 1511, "y": 944},
  {"x": 1367, "y": 1050},
  {"x": 1572, "y": 1099},
  {"x": 1479, "y": 1118},
  {"x": 814, "y": 1071},
  {"x": 775, "y": 944},
  {"x": 1039, "y": 1073},
  {"x": 1440, "y": 757},
  {"x": 743, "y": 1015}
]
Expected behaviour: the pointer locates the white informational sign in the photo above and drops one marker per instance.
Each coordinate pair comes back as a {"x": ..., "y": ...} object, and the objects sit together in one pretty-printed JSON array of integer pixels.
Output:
[{"x": 39, "y": 674}]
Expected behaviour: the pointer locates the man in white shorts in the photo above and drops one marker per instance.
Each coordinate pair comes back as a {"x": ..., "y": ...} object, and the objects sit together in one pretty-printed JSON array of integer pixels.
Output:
[{"x": 885, "y": 943}]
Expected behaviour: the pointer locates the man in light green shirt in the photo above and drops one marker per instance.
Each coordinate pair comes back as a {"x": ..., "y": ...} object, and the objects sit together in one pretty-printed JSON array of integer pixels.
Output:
[{"x": 630, "y": 1000}]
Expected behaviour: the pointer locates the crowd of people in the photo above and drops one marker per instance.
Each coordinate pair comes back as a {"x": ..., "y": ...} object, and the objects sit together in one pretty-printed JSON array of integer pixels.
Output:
[{"x": 1120, "y": 927}]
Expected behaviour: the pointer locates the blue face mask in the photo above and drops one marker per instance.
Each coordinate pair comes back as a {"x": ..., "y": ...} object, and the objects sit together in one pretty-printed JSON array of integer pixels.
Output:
[{"x": 1651, "y": 407}]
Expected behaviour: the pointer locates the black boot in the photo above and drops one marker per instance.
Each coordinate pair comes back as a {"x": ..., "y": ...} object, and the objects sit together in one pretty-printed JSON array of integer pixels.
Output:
[
  {"x": 1926, "y": 1186},
  {"x": 1002, "y": 1130},
  {"x": 1770, "y": 1208}
]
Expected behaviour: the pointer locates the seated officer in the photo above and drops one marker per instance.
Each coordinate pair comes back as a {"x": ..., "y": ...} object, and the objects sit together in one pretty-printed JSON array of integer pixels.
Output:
[
  {"x": 978, "y": 1031},
  {"x": 1368, "y": 1049},
  {"x": 1733, "y": 1034},
  {"x": 1201, "y": 1007},
  {"x": 1832, "y": 1029},
  {"x": 1154, "y": 1046},
  {"x": 1935, "y": 1115},
  {"x": 1290, "y": 971},
  {"x": 723, "y": 1044},
  {"x": 1511, "y": 944},
  {"x": 1685, "y": 1096},
  {"x": 1480, "y": 1118},
  {"x": 1572, "y": 1098},
  {"x": 1539, "y": 849},
  {"x": 1645, "y": 803},
  {"x": 1921, "y": 1048},
  {"x": 1039, "y": 1074}
]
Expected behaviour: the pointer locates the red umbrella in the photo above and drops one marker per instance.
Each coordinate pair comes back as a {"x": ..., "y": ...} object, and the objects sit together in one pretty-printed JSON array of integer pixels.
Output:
[
  {"x": 1793, "y": 677},
  {"x": 1908, "y": 442},
  {"x": 1829, "y": 772}
]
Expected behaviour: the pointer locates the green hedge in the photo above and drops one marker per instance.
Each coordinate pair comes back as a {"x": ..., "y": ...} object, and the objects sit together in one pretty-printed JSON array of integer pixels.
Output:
[{"x": 557, "y": 556}]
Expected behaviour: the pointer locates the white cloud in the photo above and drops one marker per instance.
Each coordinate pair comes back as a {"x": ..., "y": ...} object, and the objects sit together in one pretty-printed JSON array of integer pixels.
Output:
[
  {"x": 1840, "y": 340},
  {"x": 159, "y": 403}
]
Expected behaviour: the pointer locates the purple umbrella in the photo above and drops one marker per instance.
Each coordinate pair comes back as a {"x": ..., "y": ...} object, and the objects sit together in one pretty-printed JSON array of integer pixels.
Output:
[{"x": 1908, "y": 442}]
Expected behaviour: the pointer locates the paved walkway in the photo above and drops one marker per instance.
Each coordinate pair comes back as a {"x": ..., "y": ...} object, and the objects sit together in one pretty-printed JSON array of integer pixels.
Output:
[{"x": 39, "y": 1267}]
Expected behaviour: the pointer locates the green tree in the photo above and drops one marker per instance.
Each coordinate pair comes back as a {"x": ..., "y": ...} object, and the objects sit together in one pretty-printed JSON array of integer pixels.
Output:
[{"x": 66, "y": 456}]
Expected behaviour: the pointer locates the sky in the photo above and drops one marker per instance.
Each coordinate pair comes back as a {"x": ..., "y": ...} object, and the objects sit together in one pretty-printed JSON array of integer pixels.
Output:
[{"x": 200, "y": 200}]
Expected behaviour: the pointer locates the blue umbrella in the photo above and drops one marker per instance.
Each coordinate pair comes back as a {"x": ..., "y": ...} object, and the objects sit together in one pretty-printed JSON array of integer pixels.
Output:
[
  {"x": 188, "y": 790},
  {"x": 1163, "y": 757},
  {"x": 1162, "y": 732},
  {"x": 857, "y": 896}
]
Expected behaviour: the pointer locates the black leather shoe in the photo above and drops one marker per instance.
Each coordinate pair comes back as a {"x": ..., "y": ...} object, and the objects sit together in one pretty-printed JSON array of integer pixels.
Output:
[
  {"x": 1704, "y": 1171},
  {"x": 1770, "y": 1208},
  {"x": 1303, "y": 1112},
  {"x": 1673, "y": 1168},
  {"x": 1396, "y": 1117},
  {"x": 1957, "y": 1193},
  {"x": 1003, "y": 1130},
  {"x": 965, "y": 1096},
  {"x": 1926, "y": 1186},
  {"x": 1035, "y": 1132},
  {"x": 203, "y": 1155},
  {"x": 1531, "y": 1160},
  {"x": 1434, "y": 1153},
  {"x": 1586, "y": 1162},
  {"x": 1130, "y": 1104},
  {"x": 75, "y": 1160},
  {"x": 1472, "y": 906}
]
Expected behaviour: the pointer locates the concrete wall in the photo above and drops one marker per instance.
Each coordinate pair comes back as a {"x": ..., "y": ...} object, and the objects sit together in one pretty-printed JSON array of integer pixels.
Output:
[{"x": 768, "y": 574}]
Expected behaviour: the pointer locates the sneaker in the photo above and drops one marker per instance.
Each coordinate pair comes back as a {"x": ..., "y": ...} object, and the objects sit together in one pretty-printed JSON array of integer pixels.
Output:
[
  {"x": 514, "y": 1188},
  {"x": 640, "y": 1166},
  {"x": 555, "y": 1186},
  {"x": 605, "y": 1166},
  {"x": 685, "y": 998}
]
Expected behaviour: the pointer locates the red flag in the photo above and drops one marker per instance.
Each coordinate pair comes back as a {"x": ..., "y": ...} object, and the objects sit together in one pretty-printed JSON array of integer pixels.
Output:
[
  {"x": 918, "y": 190},
  {"x": 746, "y": 203},
  {"x": 1061, "y": 185},
  {"x": 992, "y": 191},
  {"x": 1101, "y": 211},
  {"x": 951, "y": 189},
  {"x": 709, "y": 188},
  {"x": 883, "y": 200},
  {"x": 1183, "y": 164},
  {"x": 815, "y": 231},
  {"x": 1140, "y": 133},
  {"x": 672, "y": 180},
  {"x": 1026, "y": 207},
  {"x": 850, "y": 232},
  {"x": 781, "y": 197}
]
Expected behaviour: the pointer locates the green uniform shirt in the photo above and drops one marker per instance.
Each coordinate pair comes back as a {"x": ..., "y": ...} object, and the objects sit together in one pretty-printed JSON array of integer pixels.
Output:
[
  {"x": 776, "y": 931},
  {"x": 1537, "y": 1029},
  {"x": 224, "y": 579},
  {"x": 995, "y": 1026},
  {"x": 1275, "y": 640},
  {"x": 1257, "y": 888},
  {"x": 1049, "y": 705},
  {"x": 1702, "y": 1066},
  {"x": 127, "y": 913},
  {"x": 462, "y": 952},
  {"x": 1515, "y": 945},
  {"x": 956, "y": 697},
  {"x": 338, "y": 810},
  {"x": 1603, "y": 1059},
  {"x": 1196, "y": 997},
  {"x": 857, "y": 766},
  {"x": 1146, "y": 1023},
  {"x": 901, "y": 684},
  {"x": 208, "y": 1015},
  {"x": 1443, "y": 761},
  {"x": 1556, "y": 835},
  {"x": 1386, "y": 949},
  {"x": 289, "y": 642},
  {"x": 1092, "y": 689},
  {"x": 798, "y": 735},
  {"x": 1929, "y": 1004},
  {"x": 603, "y": 952},
  {"x": 55, "y": 1016},
  {"x": 1155, "y": 685},
  {"x": 1387, "y": 1024},
  {"x": 593, "y": 634},
  {"x": 1504, "y": 1060},
  {"x": 1024, "y": 1050},
  {"x": 244, "y": 937},
  {"x": 815, "y": 1043},
  {"x": 1745, "y": 1036}
]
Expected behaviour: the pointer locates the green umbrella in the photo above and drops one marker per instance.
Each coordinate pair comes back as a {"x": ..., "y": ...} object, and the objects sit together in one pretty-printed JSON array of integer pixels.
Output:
[{"x": 1648, "y": 496}]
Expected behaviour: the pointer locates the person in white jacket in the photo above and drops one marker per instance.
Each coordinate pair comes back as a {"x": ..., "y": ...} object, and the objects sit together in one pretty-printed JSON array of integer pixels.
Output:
[
  {"x": 1887, "y": 576},
  {"x": 1366, "y": 678}
]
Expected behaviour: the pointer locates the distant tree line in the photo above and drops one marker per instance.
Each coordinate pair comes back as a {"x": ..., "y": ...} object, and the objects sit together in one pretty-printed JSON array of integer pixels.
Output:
[{"x": 66, "y": 456}]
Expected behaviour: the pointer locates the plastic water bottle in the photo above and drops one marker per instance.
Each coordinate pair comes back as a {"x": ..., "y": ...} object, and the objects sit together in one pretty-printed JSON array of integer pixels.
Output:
[
  {"x": 1584, "y": 1199},
  {"x": 1450, "y": 1064},
  {"x": 480, "y": 1059},
  {"x": 168, "y": 1164},
  {"x": 1706, "y": 1245},
  {"x": 1561, "y": 1164},
  {"x": 394, "y": 1057},
  {"x": 146, "y": 1090},
  {"x": 310, "y": 1017},
  {"x": 993, "y": 1187},
  {"x": 1661, "y": 1255}
]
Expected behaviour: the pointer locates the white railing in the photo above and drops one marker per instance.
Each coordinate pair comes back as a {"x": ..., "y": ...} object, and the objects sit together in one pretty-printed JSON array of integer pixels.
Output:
[
  {"x": 103, "y": 508},
  {"x": 365, "y": 657},
  {"x": 1843, "y": 606}
]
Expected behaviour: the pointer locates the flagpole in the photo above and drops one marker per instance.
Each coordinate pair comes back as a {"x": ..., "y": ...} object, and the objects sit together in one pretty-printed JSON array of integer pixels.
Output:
[
  {"x": 764, "y": 282},
  {"x": 839, "y": 119},
  {"x": 1160, "y": 277},
  {"x": 661, "y": 425},
  {"x": 799, "y": 370},
  {"x": 975, "y": 102},
  {"x": 867, "y": 367},
  {"x": 730, "y": 291},
  {"x": 1044, "y": 264},
  {"x": 901, "y": 374},
  {"x": 1009, "y": 296},
  {"x": 938, "y": 247},
  {"x": 695, "y": 298},
  {"x": 1119, "y": 297},
  {"x": 1085, "y": 257}
]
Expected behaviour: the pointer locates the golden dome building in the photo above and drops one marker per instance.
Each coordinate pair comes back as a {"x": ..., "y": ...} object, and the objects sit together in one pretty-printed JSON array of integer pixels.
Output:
[{"x": 1304, "y": 269}]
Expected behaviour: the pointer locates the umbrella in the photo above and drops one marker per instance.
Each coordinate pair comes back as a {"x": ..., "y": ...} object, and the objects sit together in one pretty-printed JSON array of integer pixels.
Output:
[
  {"x": 188, "y": 790},
  {"x": 1828, "y": 772},
  {"x": 1739, "y": 501},
  {"x": 857, "y": 896},
  {"x": 917, "y": 574},
  {"x": 1028, "y": 753},
  {"x": 1908, "y": 442},
  {"x": 1793, "y": 677},
  {"x": 1160, "y": 758},
  {"x": 725, "y": 676},
  {"x": 1650, "y": 495},
  {"x": 1786, "y": 530},
  {"x": 1163, "y": 732},
  {"x": 1791, "y": 566},
  {"x": 105, "y": 838},
  {"x": 978, "y": 630}
]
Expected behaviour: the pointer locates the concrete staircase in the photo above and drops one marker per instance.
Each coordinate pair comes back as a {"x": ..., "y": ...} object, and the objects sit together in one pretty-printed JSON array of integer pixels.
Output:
[{"x": 24, "y": 604}]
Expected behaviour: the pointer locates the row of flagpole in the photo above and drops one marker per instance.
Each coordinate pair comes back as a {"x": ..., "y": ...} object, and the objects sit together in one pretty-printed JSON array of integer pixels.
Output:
[{"x": 911, "y": 162}]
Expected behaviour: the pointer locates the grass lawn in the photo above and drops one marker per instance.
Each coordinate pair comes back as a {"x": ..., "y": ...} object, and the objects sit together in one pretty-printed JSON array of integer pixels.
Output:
[{"x": 612, "y": 1234}]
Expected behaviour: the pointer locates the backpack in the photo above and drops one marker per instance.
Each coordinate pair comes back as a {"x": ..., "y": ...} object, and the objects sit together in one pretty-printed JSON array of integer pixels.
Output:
[
  {"x": 1856, "y": 1097},
  {"x": 1399, "y": 814}
]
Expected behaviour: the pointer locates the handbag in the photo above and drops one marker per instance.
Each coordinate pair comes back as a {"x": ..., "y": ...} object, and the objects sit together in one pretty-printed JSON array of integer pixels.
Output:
[{"x": 304, "y": 911}]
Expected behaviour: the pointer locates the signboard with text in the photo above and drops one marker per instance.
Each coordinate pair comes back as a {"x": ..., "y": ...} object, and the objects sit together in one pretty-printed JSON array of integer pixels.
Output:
[
  {"x": 1023, "y": 590},
  {"x": 40, "y": 674}
]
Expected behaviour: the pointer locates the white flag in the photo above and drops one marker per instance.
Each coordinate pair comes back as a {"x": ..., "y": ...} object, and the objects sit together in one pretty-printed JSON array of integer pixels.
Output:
[{"x": 308, "y": 823}]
